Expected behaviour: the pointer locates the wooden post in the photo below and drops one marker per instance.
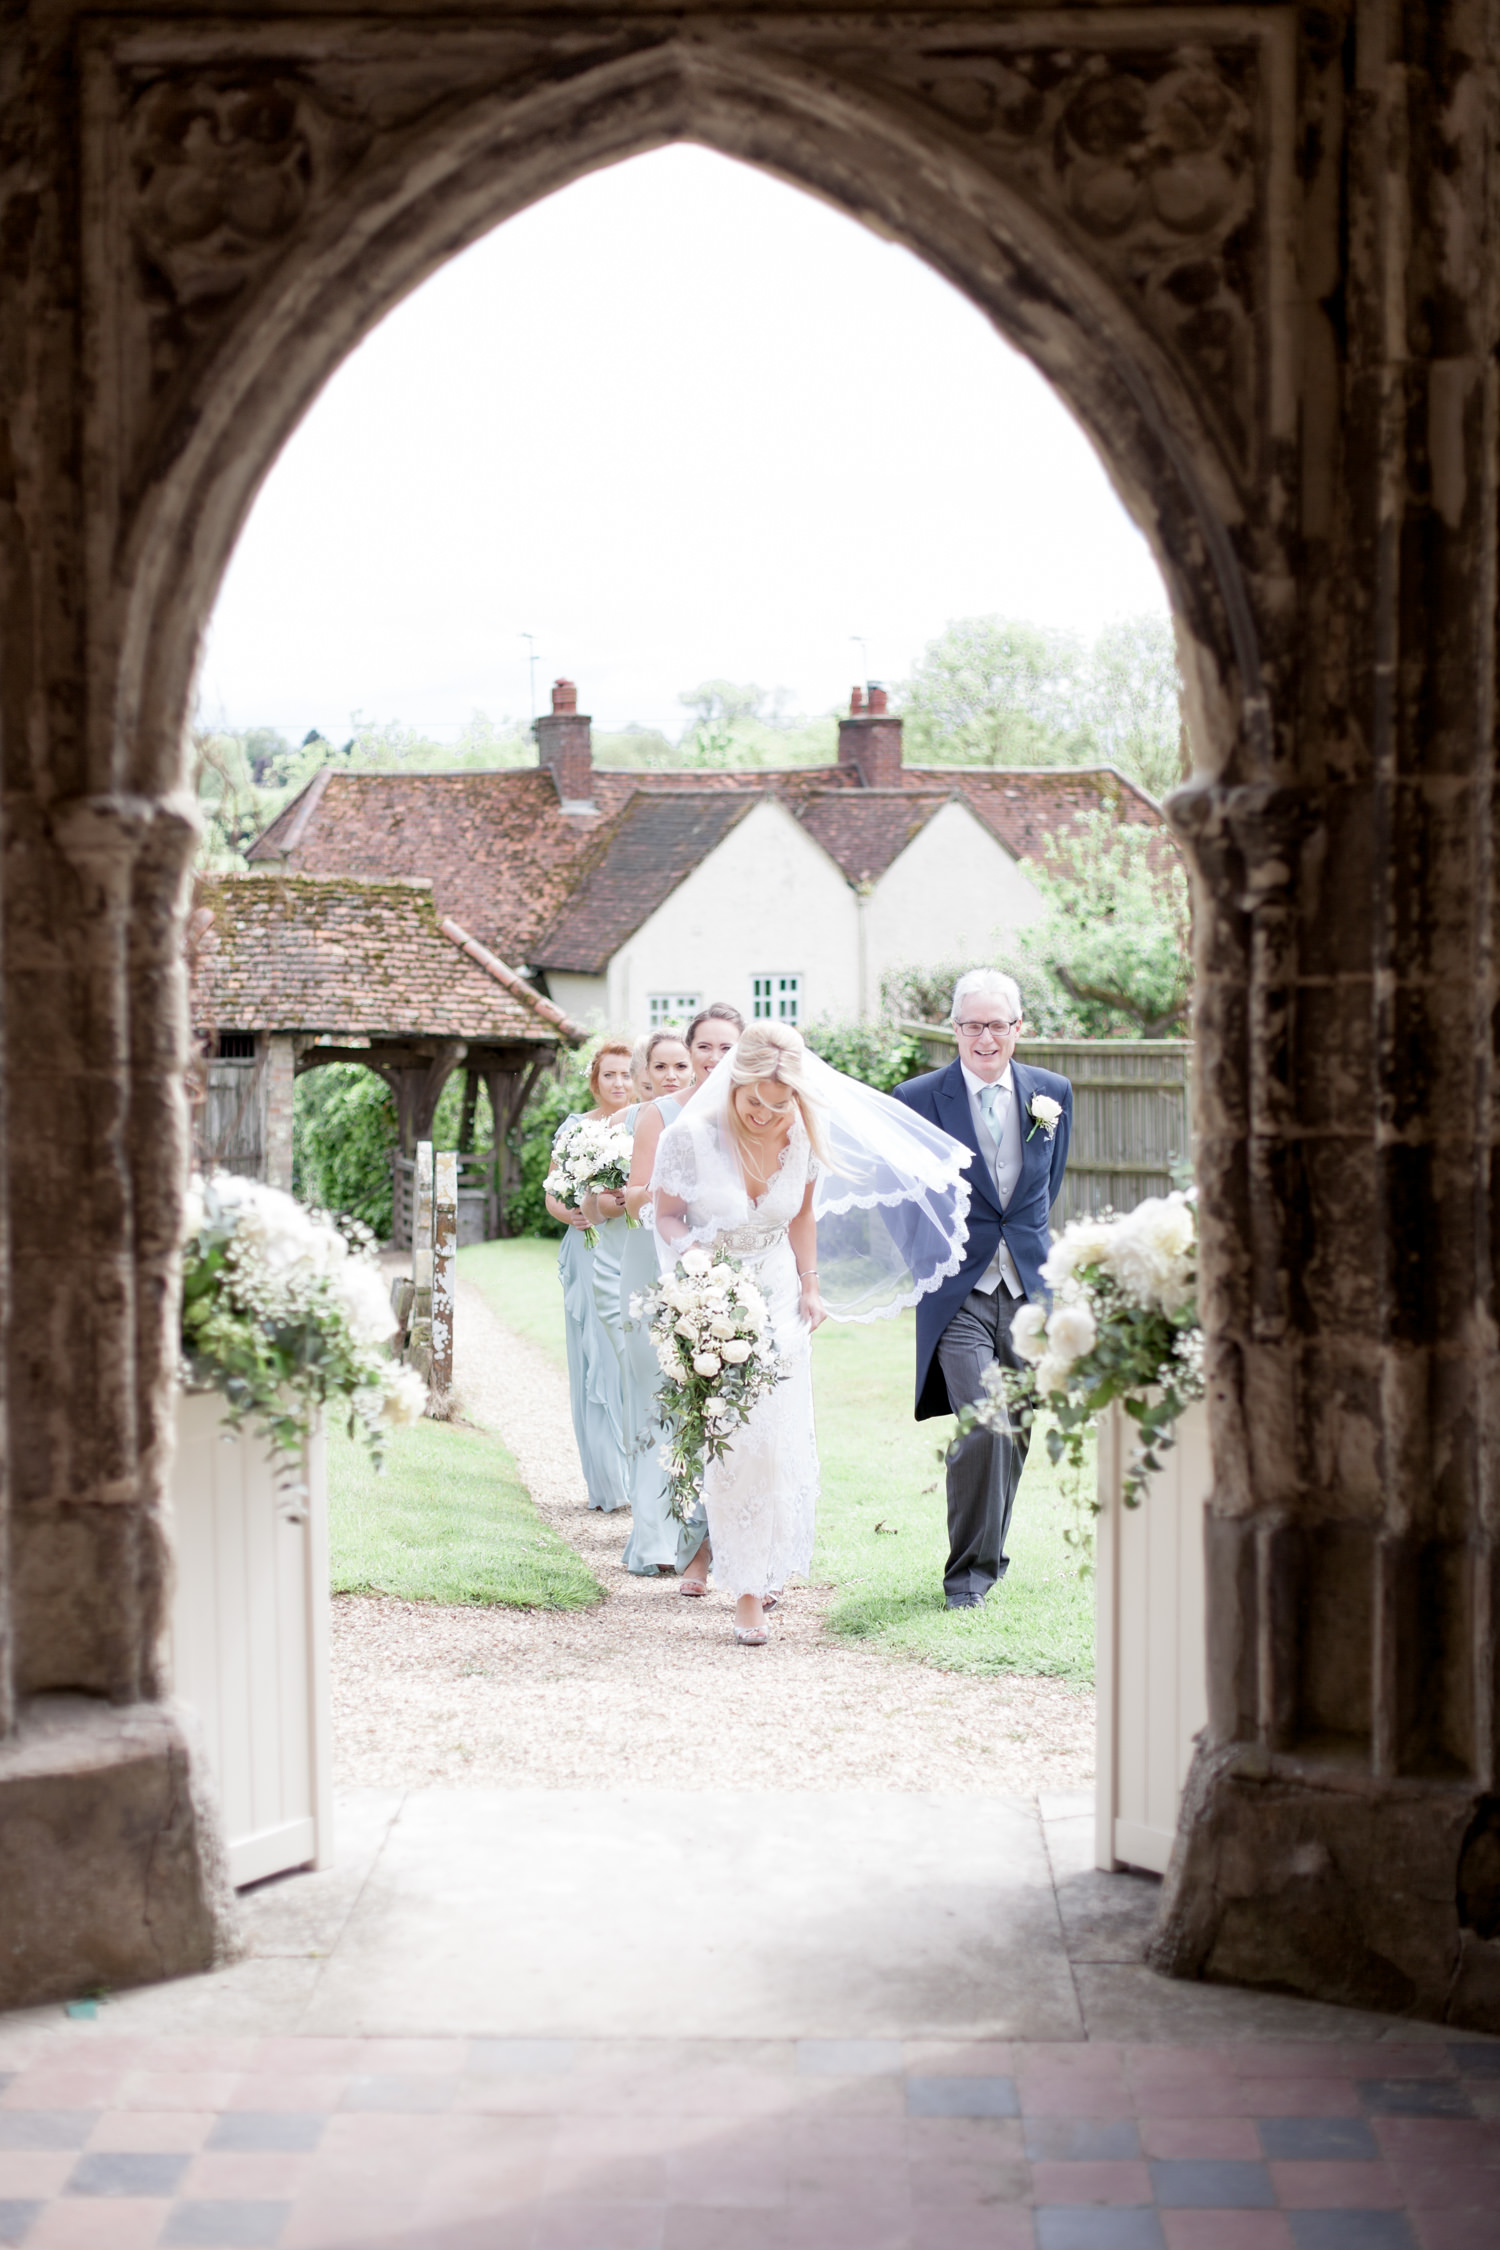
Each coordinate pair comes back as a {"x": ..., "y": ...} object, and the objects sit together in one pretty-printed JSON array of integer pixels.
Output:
[
  {"x": 444, "y": 1245},
  {"x": 420, "y": 1349}
]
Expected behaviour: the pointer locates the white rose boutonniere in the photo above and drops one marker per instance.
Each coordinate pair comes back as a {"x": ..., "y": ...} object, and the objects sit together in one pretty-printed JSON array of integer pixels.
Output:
[{"x": 1044, "y": 1112}]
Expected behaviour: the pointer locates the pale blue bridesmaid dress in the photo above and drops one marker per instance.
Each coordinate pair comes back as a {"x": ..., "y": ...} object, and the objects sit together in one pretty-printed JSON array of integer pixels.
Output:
[
  {"x": 656, "y": 1539},
  {"x": 593, "y": 1376}
]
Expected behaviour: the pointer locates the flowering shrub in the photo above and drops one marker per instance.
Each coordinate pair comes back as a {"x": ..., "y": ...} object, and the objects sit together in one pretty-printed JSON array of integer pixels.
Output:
[
  {"x": 284, "y": 1310},
  {"x": 712, "y": 1335},
  {"x": 590, "y": 1154},
  {"x": 1123, "y": 1325}
]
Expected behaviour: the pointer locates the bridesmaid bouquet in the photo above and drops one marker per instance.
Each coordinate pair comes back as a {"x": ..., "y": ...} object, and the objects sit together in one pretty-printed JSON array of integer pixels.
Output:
[
  {"x": 590, "y": 1154},
  {"x": 712, "y": 1335}
]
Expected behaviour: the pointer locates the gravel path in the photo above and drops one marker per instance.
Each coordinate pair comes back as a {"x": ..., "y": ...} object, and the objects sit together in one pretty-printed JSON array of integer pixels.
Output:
[{"x": 648, "y": 1689}]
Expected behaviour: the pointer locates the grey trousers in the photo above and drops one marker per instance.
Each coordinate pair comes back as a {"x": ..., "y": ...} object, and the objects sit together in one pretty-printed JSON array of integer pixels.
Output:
[{"x": 986, "y": 1466}]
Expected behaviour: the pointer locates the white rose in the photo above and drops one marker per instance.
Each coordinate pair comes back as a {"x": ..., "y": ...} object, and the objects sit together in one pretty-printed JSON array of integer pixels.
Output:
[
  {"x": 1046, "y": 1111},
  {"x": 695, "y": 1262},
  {"x": 366, "y": 1302},
  {"x": 719, "y": 1326},
  {"x": 735, "y": 1354},
  {"x": 687, "y": 1330},
  {"x": 1027, "y": 1332},
  {"x": 1087, "y": 1242},
  {"x": 1071, "y": 1332},
  {"x": 707, "y": 1364},
  {"x": 1052, "y": 1375}
]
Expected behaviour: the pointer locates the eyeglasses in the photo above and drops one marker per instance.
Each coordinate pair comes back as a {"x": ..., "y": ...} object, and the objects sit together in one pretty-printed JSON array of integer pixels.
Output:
[{"x": 996, "y": 1030}]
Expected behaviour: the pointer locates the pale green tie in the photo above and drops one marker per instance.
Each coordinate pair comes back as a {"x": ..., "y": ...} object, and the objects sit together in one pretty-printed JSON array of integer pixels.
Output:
[{"x": 990, "y": 1100}]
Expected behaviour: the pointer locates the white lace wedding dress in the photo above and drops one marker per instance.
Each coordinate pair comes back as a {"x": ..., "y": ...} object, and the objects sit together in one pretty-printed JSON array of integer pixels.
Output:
[{"x": 762, "y": 1496}]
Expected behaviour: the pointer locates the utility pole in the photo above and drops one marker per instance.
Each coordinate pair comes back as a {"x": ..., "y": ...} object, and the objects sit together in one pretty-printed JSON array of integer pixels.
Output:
[{"x": 530, "y": 640}]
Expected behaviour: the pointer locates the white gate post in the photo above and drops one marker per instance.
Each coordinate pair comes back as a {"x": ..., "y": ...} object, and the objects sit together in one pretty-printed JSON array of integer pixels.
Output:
[
  {"x": 1150, "y": 1640},
  {"x": 444, "y": 1244}
]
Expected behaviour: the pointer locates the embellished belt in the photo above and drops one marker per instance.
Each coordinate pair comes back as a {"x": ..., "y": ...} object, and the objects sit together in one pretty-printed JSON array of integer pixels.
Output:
[{"x": 749, "y": 1241}]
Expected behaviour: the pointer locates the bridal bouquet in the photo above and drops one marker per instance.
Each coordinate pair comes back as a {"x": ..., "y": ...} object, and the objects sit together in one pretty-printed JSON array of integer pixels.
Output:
[
  {"x": 712, "y": 1335},
  {"x": 590, "y": 1154},
  {"x": 283, "y": 1310},
  {"x": 1123, "y": 1325}
]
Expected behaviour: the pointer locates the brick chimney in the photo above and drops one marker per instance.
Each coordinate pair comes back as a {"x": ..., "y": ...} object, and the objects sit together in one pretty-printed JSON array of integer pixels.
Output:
[
  {"x": 870, "y": 739},
  {"x": 565, "y": 745}
]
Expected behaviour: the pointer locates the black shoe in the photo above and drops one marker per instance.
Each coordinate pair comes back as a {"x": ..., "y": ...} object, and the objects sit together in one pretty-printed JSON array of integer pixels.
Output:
[{"x": 966, "y": 1601}]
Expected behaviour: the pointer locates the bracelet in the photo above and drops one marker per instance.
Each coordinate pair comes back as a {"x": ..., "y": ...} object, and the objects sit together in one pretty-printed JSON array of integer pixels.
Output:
[{"x": 810, "y": 1275}]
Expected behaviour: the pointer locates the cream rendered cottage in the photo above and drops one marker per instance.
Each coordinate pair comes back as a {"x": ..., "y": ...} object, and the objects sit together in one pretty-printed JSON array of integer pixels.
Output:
[{"x": 632, "y": 898}]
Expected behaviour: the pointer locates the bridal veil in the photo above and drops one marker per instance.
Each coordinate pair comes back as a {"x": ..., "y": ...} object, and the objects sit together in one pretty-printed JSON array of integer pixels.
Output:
[{"x": 890, "y": 1198}]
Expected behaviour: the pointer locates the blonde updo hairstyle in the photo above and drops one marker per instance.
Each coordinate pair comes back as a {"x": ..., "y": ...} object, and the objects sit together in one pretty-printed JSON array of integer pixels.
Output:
[{"x": 774, "y": 1054}]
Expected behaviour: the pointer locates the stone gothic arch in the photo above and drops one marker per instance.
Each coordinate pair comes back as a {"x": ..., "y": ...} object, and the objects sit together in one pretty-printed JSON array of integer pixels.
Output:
[
  {"x": 1253, "y": 247},
  {"x": 255, "y": 215}
]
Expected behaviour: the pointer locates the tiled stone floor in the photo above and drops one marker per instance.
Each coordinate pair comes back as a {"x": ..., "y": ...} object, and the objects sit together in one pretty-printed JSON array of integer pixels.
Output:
[{"x": 111, "y": 2142}]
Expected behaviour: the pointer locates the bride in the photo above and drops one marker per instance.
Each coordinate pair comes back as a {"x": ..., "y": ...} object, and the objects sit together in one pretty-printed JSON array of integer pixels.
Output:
[{"x": 839, "y": 1203}]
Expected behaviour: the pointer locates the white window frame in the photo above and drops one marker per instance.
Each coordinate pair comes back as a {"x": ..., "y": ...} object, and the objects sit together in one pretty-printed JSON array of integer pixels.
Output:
[
  {"x": 671, "y": 1011},
  {"x": 776, "y": 996}
]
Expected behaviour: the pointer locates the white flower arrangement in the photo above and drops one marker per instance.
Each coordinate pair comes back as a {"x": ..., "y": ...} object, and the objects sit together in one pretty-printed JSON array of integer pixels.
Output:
[
  {"x": 1123, "y": 1325},
  {"x": 712, "y": 1334},
  {"x": 284, "y": 1310},
  {"x": 1044, "y": 1113},
  {"x": 589, "y": 1154}
]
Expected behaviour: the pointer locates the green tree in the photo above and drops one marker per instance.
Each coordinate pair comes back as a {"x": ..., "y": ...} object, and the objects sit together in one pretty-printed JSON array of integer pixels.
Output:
[
  {"x": 997, "y": 691},
  {"x": 343, "y": 1135},
  {"x": 1133, "y": 702},
  {"x": 877, "y": 1054},
  {"x": 1117, "y": 930},
  {"x": 994, "y": 691}
]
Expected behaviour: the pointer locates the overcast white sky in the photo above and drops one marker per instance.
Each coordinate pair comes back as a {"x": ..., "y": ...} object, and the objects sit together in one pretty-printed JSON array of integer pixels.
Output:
[{"x": 678, "y": 422}]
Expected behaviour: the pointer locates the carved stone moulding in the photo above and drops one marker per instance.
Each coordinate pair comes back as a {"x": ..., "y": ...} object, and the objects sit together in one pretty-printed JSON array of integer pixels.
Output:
[
  {"x": 1151, "y": 136},
  {"x": 1159, "y": 140}
]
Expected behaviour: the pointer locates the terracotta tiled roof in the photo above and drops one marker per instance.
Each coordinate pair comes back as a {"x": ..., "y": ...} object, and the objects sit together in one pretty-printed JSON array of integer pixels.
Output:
[
  {"x": 1024, "y": 806},
  {"x": 500, "y": 856},
  {"x": 865, "y": 829},
  {"x": 337, "y": 954},
  {"x": 638, "y": 862},
  {"x": 509, "y": 866}
]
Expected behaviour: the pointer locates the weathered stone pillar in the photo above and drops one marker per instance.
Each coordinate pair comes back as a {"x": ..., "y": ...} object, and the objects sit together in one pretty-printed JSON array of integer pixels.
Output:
[
  {"x": 1342, "y": 1831},
  {"x": 109, "y": 1866},
  {"x": 279, "y": 1080}
]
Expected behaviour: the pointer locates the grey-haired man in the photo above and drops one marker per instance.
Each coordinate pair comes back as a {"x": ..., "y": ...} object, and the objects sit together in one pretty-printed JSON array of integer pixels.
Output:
[{"x": 1017, "y": 1120}]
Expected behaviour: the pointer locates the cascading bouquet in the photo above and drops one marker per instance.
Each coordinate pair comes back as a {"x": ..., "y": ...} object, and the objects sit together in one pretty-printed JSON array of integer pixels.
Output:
[
  {"x": 1123, "y": 1325},
  {"x": 712, "y": 1334},
  {"x": 589, "y": 1154},
  {"x": 285, "y": 1310}
]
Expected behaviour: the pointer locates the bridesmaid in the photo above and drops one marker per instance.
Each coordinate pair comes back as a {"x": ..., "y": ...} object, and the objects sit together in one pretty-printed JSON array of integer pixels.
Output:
[
  {"x": 593, "y": 1349},
  {"x": 657, "y": 1540}
]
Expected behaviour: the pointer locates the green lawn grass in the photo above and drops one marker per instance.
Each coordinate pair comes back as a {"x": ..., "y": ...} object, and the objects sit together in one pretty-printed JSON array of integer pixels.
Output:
[
  {"x": 881, "y": 1468},
  {"x": 446, "y": 1520},
  {"x": 519, "y": 1283}
]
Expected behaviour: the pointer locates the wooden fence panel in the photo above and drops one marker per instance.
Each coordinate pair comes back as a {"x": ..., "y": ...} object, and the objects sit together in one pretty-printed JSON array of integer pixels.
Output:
[
  {"x": 1132, "y": 1111},
  {"x": 228, "y": 1124}
]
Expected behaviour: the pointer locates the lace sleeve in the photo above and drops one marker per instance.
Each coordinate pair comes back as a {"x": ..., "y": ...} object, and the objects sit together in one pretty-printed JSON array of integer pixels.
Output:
[{"x": 676, "y": 1169}]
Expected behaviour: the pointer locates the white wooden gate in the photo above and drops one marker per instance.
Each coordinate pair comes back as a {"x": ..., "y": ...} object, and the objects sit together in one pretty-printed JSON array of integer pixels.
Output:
[
  {"x": 1150, "y": 1630},
  {"x": 250, "y": 1638}
]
